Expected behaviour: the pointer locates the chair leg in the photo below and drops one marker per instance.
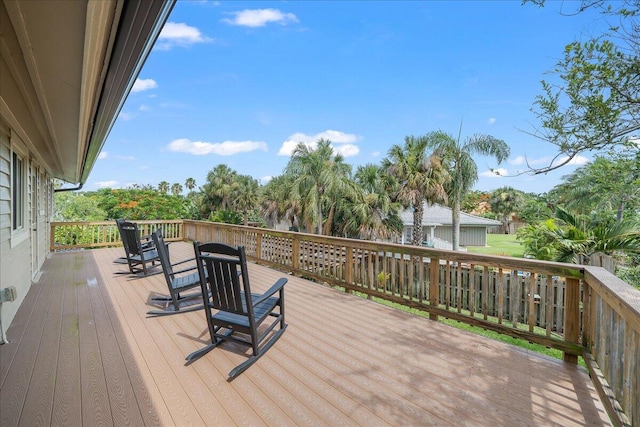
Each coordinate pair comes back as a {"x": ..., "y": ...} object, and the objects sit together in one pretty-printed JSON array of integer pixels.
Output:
[
  {"x": 167, "y": 312},
  {"x": 199, "y": 353},
  {"x": 252, "y": 359}
]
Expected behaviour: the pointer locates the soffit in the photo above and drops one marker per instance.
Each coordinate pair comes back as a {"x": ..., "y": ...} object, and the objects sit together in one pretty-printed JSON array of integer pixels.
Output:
[{"x": 74, "y": 63}]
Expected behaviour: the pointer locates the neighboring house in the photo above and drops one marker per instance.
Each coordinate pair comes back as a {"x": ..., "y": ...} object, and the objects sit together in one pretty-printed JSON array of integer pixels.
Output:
[
  {"x": 65, "y": 71},
  {"x": 437, "y": 226}
]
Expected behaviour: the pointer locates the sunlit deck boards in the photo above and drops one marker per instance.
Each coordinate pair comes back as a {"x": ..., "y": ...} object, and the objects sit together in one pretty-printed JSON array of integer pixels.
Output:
[{"x": 82, "y": 352}]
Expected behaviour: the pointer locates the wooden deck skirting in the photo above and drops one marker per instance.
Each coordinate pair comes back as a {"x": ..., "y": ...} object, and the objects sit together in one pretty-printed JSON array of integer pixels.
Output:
[{"x": 81, "y": 351}]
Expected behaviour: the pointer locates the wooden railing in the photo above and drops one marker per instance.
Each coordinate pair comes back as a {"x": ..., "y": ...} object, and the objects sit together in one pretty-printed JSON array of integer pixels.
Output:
[
  {"x": 99, "y": 234},
  {"x": 580, "y": 310}
]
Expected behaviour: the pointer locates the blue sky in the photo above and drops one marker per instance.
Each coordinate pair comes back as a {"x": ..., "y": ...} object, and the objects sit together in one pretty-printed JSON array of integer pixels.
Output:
[{"x": 241, "y": 83}]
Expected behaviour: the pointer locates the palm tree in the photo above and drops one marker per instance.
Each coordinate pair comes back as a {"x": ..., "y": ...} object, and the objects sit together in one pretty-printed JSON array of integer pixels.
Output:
[
  {"x": 319, "y": 178},
  {"x": 176, "y": 189},
  {"x": 163, "y": 187},
  {"x": 373, "y": 214},
  {"x": 190, "y": 183},
  {"x": 421, "y": 178},
  {"x": 246, "y": 196},
  {"x": 218, "y": 190},
  {"x": 457, "y": 157},
  {"x": 504, "y": 202},
  {"x": 276, "y": 201},
  {"x": 577, "y": 237}
]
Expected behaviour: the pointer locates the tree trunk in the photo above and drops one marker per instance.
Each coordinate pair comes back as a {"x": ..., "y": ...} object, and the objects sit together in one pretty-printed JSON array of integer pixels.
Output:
[
  {"x": 620, "y": 213},
  {"x": 455, "y": 225},
  {"x": 418, "y": 212},
  {"x": 319, "y": 219}
]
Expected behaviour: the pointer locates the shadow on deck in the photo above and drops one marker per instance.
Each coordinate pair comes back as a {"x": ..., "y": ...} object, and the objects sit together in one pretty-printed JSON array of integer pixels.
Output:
[{"x": 83, "y": 352}]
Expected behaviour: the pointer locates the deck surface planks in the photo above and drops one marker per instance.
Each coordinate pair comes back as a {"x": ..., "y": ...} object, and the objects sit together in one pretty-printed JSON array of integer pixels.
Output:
[{"x": 343, "y": 360}]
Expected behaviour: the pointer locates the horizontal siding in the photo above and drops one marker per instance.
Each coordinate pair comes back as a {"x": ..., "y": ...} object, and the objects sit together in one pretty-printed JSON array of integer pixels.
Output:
[{"x": 469, "y": 236}]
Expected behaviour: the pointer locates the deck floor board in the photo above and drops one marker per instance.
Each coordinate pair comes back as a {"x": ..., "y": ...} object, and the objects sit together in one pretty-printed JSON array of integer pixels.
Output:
[{"x": 82, "y": 351}]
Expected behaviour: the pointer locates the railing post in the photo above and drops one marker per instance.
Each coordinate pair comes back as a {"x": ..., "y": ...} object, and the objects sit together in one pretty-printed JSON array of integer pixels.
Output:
[
  {"x": 259, "y": 245},
  {"x": 295, "y": 252},
  {"x": 572, "y": 316},
  {"x": 348, "y": 273},
  {"x": 434, "y": 285},
  {"x": 52, "y": 237}
]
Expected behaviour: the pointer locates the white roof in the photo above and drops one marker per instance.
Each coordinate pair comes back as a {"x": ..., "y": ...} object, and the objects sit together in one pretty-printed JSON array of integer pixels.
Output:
[{"x": 441, "y": 215}]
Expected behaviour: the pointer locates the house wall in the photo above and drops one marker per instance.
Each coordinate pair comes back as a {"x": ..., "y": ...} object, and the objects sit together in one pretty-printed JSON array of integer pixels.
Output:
[
  {"x": 469, "y": 236},
  {"x": 22, "y": 251}
]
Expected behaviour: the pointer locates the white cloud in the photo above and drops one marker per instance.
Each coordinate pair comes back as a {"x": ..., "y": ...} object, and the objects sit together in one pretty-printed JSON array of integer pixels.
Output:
[
  {"x": 261, "y": 17},
  {"x": 336, "y": 137},
  {"x": 125, "y": 116},
  {"x": 106, "y": 184},
  {"x": 144, "y": 108},
  {"x": 635, "y": 140},
  {"x": 179, "y": 34},
  {"x": 375, "y": 154},
  {"x": 491, "y": 120},
  {"x": 128, "y": 158},
  {"x": 265, "y": 179},
  {"x": 144, "y": 84},
  {"x": 103, "y": 155},
  {"x": 347, "y": 150},
  {"x": 576, "y": 161},
  {"x": 495, "y": 173},
  {"x": 226, "y": 148},
  {"x": 546, "y": 161}
]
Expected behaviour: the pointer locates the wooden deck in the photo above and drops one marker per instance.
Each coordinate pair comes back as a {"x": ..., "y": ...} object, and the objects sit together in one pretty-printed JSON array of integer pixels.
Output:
[{"x": 83, "y": 352}]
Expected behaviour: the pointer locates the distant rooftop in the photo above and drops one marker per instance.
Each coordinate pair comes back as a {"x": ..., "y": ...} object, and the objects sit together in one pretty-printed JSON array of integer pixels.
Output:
[{"x": 441, "y": 215}]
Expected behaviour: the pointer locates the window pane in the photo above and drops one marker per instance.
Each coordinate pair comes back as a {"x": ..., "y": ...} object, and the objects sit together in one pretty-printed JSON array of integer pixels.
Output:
[{"x": 18, "y": 192}]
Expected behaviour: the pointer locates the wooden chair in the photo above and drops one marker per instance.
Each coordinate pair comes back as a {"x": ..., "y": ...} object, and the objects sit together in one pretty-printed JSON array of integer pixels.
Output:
[
  {"x": 233, "y": 312},
  {"x": 177, "y": 281},
  {"x": 139, "y": 250}
]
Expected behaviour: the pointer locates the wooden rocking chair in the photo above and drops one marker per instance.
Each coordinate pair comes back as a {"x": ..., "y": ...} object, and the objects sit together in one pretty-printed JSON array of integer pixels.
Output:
[
  {"x": 233, "y": 312},
  {"x": 177, "y": 282},
  {"x": 139, "y": 250}
]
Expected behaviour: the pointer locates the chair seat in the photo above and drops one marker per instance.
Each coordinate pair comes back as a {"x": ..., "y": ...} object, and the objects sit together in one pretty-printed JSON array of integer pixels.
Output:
[
  {"x": 260, "y": 312},
  {"x": 151, "y": 255},
  {"x": 186, "y": 281}
]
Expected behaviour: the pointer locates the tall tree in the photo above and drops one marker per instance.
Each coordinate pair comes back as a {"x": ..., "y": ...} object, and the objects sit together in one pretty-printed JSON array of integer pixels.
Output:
[
  {"x": 608, "y": 184},
  {"x": 277, "y": 202},
  {"x": 190, "y": 183},
  {"x": 505, "y": 202},
  {"x": 218, "y": 190},
  {"x": 246, "y": 196},
  {"x": 457, "y": 157},
  {"x": 163, "y": 187},
  {"x": 596, "y": 105},
  {"x": 176, "y": 189},
  {"x": 372, "y": 214},
  {"x": 317, "y": 175},
  {"x": 421, "y": 177}
]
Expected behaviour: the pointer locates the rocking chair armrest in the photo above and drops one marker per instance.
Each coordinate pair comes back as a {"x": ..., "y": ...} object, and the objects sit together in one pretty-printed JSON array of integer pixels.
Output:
[
  {"x": 183, "y": 261},
  {"x": 272, "y": 290},
  {"x": 195, "y": 267}
]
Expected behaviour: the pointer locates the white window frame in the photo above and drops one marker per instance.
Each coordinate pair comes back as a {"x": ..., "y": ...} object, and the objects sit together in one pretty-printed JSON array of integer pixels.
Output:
[{"x": 19, "y": 232}]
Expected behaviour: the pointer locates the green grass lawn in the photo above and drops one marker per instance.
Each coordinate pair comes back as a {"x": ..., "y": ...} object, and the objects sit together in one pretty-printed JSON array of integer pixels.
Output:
[{"x": 500, "y": 244}]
